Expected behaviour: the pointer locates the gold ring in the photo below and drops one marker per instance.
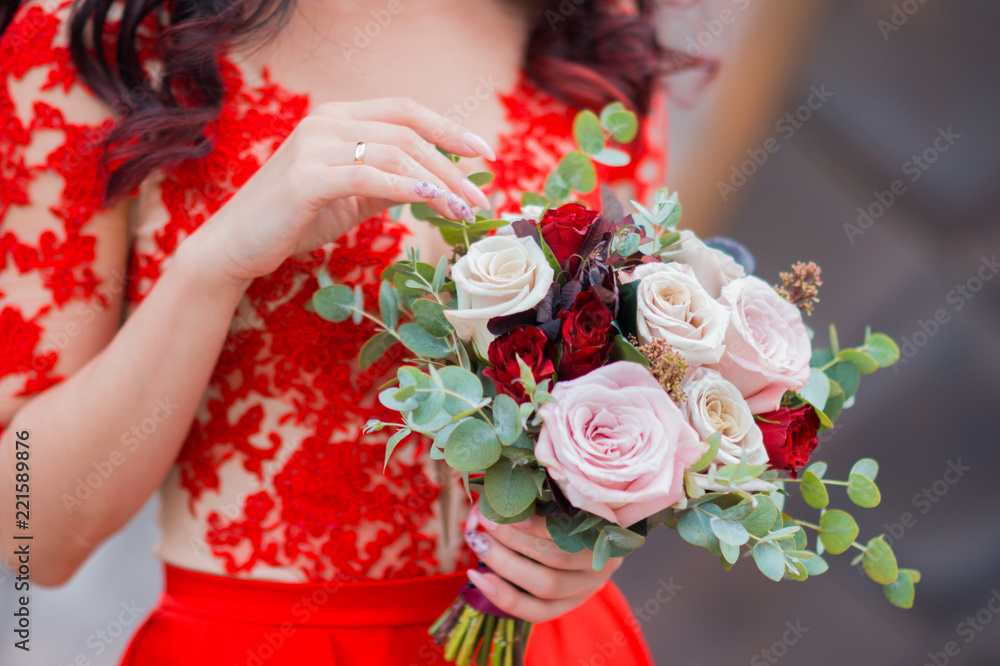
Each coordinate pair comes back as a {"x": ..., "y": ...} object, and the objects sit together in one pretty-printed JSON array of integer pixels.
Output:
[{"x": 359, "y": 153}]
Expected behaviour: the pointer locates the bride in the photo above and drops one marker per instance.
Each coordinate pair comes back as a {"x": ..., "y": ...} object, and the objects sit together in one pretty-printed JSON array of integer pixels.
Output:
[{"x": 168, "y": 199}]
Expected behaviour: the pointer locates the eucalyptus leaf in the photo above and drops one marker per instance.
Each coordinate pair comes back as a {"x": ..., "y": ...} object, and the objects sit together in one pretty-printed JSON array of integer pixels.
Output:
[
  {"x": 388, "y": 303},
  {"x": 560, "y": 528},
  {"x": 393, "y": 442},
  {"x": 879, "y": 561},
  {"x": 846, "y": 375},
  {"x": 817, "y": 389},
  {"x": 900, "y": 592},
  {"x": 623, "y": 350},
  {"x": 577, "y": 171},
  {"x": 866, "y": 467},
  {"x": 588, "y": 132},
  {"x": 837, "y": 531},
  {"x": 695, "y": 528},
  {"x": 507, "y": 419},
  {"x": 863, "y": 491},
  {"x": 729, "y": 532},
  {"x": 510, "y": 488},
  {"x": 440, "y": 273},
  {"x": 472, "y": 446},
  {"x": 760, "y": 521},
  {"x": 815, "y": 565},
  {"x": 375, "y": 348},
  {"x": 813, "y": 491},
  {"x": 612, "y": 157},
  {"x": 866, "y": 364},
  {"x": 422, "y": 343},
  {"x": 882, "y": 348},
  {"x": 729, "y": 552},
  {"x": 481, "y": 178},
  {"x": 770, "y": 560},
  {"x": 713, "y": 448},
  {"x": 622, "y": 125},
  {"x": 430, "y": 316},
  {"x": 623, "y": 538},
  {"x": 334, "y": 303}
]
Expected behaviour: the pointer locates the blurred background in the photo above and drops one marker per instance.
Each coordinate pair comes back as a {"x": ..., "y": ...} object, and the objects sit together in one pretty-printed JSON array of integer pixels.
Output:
[{"x": 860, "y": 134}]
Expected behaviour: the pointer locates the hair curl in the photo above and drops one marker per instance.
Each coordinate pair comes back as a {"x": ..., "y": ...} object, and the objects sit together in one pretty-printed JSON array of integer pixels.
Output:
[{"x": 579, "y": 51}]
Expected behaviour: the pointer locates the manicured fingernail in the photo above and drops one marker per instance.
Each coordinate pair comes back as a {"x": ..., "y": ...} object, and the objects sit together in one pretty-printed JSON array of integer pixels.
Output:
[
  {"x": 428, "y": 190},
  {"x": 478, "y": 146},
  {"x": 461, "y": 209},
  {"x": 475, "y": 195},
  {"x": 488, "y": 587},
  {"x": 477, "y": 542}
]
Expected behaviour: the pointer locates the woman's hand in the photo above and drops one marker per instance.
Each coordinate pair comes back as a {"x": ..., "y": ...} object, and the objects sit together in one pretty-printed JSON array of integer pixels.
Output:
[
  {"x": 311, "y": 192},
  {"x": 552, "y": 581}
]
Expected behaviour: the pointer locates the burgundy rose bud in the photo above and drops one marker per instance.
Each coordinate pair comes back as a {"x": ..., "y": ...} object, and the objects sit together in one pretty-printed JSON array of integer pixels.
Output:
[
  {"x": 526, "y": 342},
  {"x": 565, "y": 228},
  {"x": 789, "y": 437},
  {"x": 587, "y": 336}
]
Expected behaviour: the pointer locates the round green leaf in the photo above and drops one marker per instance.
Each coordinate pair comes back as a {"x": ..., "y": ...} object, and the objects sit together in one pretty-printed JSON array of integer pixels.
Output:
[
  {"x": 334, "y": 303},
  {"x": 882, "y": 348},
  {"x": 879, "y": 561},
  {"x": 770, "y": 560},
  {"x": 560, "y": 527},
  {"x": 490, "y": 513},
  {"x": 866, "y": 467},
  {"x": 900, "y": 591},
  {"x": 464, "y": 383},
  {"x": 473, "y": 446},
  {"x": 481, "y": 177},
  {"x": 846, "y": 375},
  {"x": 729, "y": 532},
  {"x": 866, "y": 364},
  {"x": 507, "y": 419},
  {"x": 428, "y": 406},
  {"x": 588, "y": 133},
  {"x": 577, "y": 171},
  {"x": 729, "y": 552},
  {"x": 815, "y": 565},
  {"x": 622, "y": 125},
  {"x": 623, "y": 538},
  {"x": 612, "y": 157},
  {"x": 817, "y": 468},
  {"x": 422, "y": 343},
  {"x": 760, "y": 521},
  {"x": 838, "y": 531},
  {"x": 817, "y": 389},
  {"x": 820, "y": 357},
  {"x": 510, "y": 488},
  {"x": 813, "y": 491},
  {"x": 694, "y": 527},
  {"x": 863, "y": 491}
]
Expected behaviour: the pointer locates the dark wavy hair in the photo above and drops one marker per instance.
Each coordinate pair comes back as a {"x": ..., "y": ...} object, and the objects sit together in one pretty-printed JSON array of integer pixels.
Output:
[{"x": 588, "y": 56}]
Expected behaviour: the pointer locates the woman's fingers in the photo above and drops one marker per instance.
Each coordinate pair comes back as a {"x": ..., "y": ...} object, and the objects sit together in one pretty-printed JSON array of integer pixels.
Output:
[
  {"x": 509, "y": 599},
  {"x": 432, "y": 126},
  {"x": 533, "y": 540},
  {"x": 414, "y": 150}
]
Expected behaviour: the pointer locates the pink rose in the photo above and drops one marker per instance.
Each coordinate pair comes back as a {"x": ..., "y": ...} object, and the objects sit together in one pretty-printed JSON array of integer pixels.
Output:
[
  {"x": 713, "y": 268},
  {"x": 616, "y": 444},
  {"x": 767, "y": 347}
]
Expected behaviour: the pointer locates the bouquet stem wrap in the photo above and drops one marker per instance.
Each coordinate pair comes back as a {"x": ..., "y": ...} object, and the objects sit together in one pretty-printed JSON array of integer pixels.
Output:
[{"x": 474, "y": 631}]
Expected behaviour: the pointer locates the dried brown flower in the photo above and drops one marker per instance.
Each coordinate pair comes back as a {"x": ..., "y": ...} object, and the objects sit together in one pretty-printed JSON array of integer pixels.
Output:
[
  {"x": 801, "y": 286},
  {"x": 668, "y": 366}
]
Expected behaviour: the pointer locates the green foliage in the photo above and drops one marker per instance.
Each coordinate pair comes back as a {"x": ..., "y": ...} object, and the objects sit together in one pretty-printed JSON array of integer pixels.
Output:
[
  {"x": 472, "y": 446},
  {"x": 588, "y": 132},
  {"x": 879, "y": 561},
  {"x": 813, "y": 491},
  {"x": 334, "y": 303},
  {"x": 900, "y": 592},
  {"x": 623, "y": 350},
  {"x": 510, "y": 488},
  {"x": 837, "y": 531},
  {"x": 422, "y": 343},
  {"x": 374, "y": 348},
  {"x": 863, "y": 491},
  {"x": 507, "y": 419},
  {"x": 430, "y": 316}
]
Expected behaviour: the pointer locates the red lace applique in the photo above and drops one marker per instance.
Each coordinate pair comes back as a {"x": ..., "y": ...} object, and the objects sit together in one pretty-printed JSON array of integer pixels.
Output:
[{"x": 60, "y": 257}]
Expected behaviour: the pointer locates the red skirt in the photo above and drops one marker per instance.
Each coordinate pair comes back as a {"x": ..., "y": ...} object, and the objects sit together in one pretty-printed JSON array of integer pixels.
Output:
[{"x": 221, "y": 621}]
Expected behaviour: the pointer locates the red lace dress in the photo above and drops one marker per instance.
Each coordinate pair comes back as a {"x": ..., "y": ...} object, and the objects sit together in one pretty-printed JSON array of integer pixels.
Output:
[{"x": 275, "y": 481}]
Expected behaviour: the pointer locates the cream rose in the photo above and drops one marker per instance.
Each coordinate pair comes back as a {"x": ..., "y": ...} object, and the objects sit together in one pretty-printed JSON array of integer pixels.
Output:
[
  {"x": 713, "y": 268},
  {"x": 672, "y": 306},
  {"x": 499, "y": 275},
  {"x": 713, "y": 404},
  {"x": 767, "y": 347},
  {"x": 616, "y": 444}
]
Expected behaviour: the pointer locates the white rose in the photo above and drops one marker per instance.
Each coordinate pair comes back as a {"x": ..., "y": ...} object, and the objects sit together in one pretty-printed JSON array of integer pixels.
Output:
[
  {"x": 767, "y": 346},
  {"x": 499, "y": 275},
  {"x": 672, "y": 306},
  {"x": 713, "y": 268},
  {"x": 712, "y": 404}
]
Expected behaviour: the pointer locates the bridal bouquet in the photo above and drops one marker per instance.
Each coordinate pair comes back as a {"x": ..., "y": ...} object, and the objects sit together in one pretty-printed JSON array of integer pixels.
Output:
[{"x": 613, "y": 373}]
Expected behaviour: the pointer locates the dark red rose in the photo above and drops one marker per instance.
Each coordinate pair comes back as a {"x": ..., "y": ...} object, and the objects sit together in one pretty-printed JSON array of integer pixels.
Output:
[
  {"x": 530, "y": 344},
  {"x": 564, "y": 229},
  {"x": 587, "y": 335},
  {"x": 791, "y": 439}
]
